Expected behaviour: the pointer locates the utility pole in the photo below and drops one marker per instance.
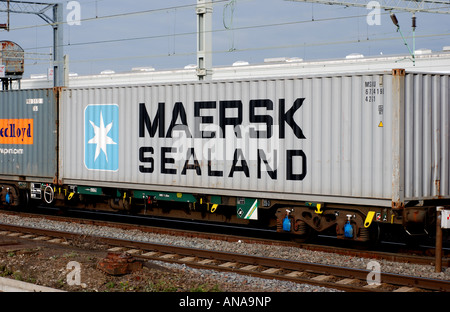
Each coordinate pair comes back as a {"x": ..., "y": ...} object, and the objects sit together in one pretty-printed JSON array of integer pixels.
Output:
[{"x": 204, "y": 39}]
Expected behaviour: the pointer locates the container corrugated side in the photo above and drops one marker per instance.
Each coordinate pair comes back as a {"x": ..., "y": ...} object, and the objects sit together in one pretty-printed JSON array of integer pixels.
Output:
[
  {"x": 28, "y": 134},
  {"x": 427, "y": 150},
  {"x": 331, "y": 140}
]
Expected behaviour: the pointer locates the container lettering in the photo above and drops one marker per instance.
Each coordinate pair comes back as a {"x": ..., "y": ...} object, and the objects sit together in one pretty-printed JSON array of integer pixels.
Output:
[{"x": 220, "y": 134}]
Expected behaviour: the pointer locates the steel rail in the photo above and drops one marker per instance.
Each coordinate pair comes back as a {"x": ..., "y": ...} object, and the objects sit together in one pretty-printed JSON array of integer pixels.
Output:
[
  {"x": 282, "y": 264},
  {"x": 371, "y": 254}
]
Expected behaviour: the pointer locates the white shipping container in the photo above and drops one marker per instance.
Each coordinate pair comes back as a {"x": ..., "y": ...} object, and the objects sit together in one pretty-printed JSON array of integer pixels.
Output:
[{"x": 375, "y": 138}]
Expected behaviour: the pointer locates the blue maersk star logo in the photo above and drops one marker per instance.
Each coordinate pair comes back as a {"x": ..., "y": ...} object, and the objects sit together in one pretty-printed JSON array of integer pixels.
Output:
[{"x": 101, "y": 137}]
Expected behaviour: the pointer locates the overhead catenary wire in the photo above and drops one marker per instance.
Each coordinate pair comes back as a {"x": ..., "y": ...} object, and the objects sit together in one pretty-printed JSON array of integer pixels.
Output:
[
  {"x": 192, "y": 33},
  {"x": 127, "y": 14},
  {"x": 121, "y": 15},
  {"x": 315, "y": 44},
  {"x": 165, "y": 9},
  {"x": 216, "y": 31}
]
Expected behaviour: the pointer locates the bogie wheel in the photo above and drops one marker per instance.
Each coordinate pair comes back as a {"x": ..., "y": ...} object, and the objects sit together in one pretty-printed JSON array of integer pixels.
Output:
[{"x": 309, "y": 235}]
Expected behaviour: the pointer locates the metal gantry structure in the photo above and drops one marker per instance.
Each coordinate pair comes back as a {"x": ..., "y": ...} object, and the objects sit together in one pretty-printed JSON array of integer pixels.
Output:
[
  {"x": 6, "y": 25},
  {"x": 52, "y": 14}
]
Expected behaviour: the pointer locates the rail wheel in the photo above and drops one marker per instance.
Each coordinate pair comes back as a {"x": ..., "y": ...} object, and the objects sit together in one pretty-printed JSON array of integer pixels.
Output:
[{"x": 304, "y": 233}]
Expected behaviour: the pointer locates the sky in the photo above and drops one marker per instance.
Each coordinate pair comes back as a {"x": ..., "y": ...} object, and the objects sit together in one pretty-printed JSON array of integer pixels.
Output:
[{"x": 120, "y": 35}]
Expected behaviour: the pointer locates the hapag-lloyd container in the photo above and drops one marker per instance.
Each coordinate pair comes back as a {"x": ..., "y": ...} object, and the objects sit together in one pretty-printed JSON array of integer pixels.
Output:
[
  {"x": 28, "y": 135},
  {"x": 372, "y": 139}
]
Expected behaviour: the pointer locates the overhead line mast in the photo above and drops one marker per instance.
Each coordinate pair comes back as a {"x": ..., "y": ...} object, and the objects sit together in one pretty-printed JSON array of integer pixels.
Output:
[{"x": 204, "y": 12}]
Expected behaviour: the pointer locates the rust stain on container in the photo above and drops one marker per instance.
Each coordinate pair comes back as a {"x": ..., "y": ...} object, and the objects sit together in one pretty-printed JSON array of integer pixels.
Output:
[
  {"x": 437, "y": 184},
  {"x": 12, "y": 57}
]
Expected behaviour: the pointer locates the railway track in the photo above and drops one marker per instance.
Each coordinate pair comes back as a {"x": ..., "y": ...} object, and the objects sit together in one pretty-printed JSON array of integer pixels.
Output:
[
  {"x": 413, "y": 256},
  {"x": 296, "y": 271}
]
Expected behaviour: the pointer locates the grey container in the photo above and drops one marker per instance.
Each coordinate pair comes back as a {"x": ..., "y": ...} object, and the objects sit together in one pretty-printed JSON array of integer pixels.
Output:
[
  {"x": 28, "y": 135},
  {"x": 368, "y": 139}
]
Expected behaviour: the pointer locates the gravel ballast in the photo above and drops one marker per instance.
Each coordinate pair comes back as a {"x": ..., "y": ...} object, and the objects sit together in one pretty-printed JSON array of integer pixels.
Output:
[{"x": 241, "y": 247}]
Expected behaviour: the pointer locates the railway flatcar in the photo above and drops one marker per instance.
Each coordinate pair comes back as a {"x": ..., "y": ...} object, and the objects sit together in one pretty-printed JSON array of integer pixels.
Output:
[{"x": 343, "y": 153}]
